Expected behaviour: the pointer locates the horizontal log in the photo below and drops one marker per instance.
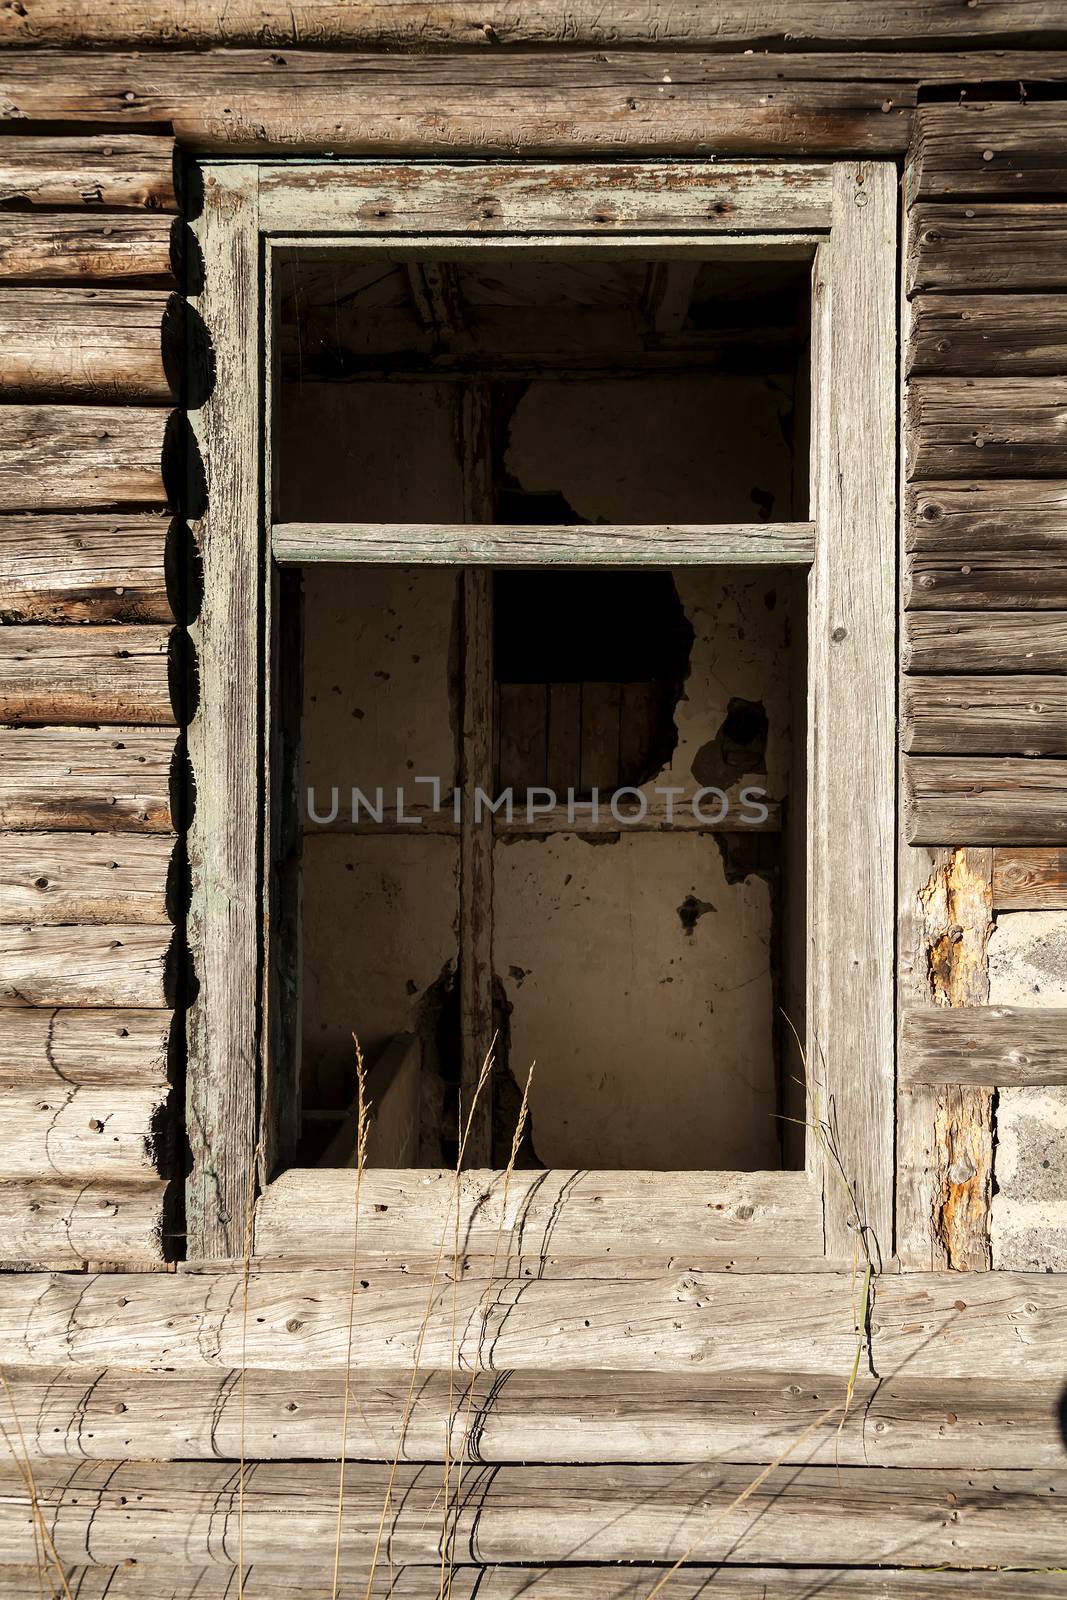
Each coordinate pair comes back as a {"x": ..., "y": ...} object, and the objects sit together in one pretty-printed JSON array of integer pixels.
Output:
[
  {"x": 563, "y": 104},
  {"x": 62, "y": 457},
  {"x": 57, "y": 248},
  {"x": 995, "y": 1047},
  {"x": 94, "y": 1133},
  {"x": 400, "y": 24},
  {"x": 687, "y": 1215},
  {"x": 86, "y": 675},
  {"x": 1016, "y": 715},
  {"x": 978, "y": 334},
  {"x": 593, "y": 1417},
  {"x": 1032, "y": 580},
  {"x": 777, "y": 543},
  {"x": 85, "y": 966},
  {"x": 927, "y": 1324},
  {"x": 90, "y": 1049},
  {"x": 67, "y": 1225},
  {"x": 182, "y": 1511},
  {"x": 86, "y": 779},
  {"x": 976, "y": 800},
  {"x": 973, "y": 248},
  {"x": 996, "y": 148},
  {"x": 1030, "y": 880},
  {"x": 83, "y": 344},
  {"x": 117, "y": 172},
  {"x": 84, "y": 567},
  {"x": 1024, "y": 515},
  {"x": 986, "y": 427},
  {"x": 135, "y": 1581},
  {"x": 48, "y": 878},
  {"x": 985, "y": 642}
]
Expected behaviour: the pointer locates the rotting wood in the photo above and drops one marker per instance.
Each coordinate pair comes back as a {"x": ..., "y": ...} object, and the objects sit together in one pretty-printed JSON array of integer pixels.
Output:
[
  {"x": 308, "y": 1213},
  {"x": 115, "y": 1511},
  {"x": 85, "y": 966},
  {"x": 986, "y": 642},
  {"x": 1010, "y": 715},
  {"x": 86, "y": 675},
  {"x": 986, "y": 1047},
  {"x": 63, "y": 457},
  {"x": 972, "y": 334},
  {"x": 84, "y": 344},
  {"x": 594, "y": 1417},
  {"x": 86, "y": 779},
  {"x": 986, "y": 427},
  {"x": 115, "y": 172},
  {"x": 997, "y": 246},
  {"x": 68, "y": 1225},
  {"x": 987, "y": 149},
  {"x": 60, "y": 247},
  {"x": 65, "y": 1049},
  {"x": 778, "y": 544},
  {"x": 1029, "y": 880},
  {"x": 84, "y": 567},
  {"x": 929, "y": 1325},
  {"x": 86, "y": 878},
  {"x": 93, "y": 1133},
  {"x": 953, "y": 800}
]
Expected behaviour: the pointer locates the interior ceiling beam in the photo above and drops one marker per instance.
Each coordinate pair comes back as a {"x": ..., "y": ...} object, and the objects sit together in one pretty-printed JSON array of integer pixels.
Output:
[{"x": 437, "y": 298}]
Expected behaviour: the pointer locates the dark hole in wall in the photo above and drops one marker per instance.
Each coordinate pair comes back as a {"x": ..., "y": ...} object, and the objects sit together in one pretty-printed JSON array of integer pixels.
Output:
[{"x": 739, "y": 747}]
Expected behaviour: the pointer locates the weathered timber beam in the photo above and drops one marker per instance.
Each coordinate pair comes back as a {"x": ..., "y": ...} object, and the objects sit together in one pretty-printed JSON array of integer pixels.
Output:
[
  {"x": 86, "y": 779},
  {"x": 1010, "y": 715},
  {"x": 1017, "y": 514},
  {"x": 994, "y": 246},
  {"x": 85, "y": 966},
  {"x": 58, "y": 247},
  {"x": 94, "y": 1133},
  {"x": 975, "y": 335},
  {"x": 930, "y": 1325},
  {"x": 777, "y": 544},
  {"x": 995, "y": 1047},
  {"x": 68, "y": 1050},
  {"x": 978, "y": 800},
  {"x": 87, "y": 878},
  {"x": 987, "y": 581},
  {"x": 182, "y": 1511},
  {"x": 986, "y": 642},
  {"x": 1029, "y": 880},
  {"x": 309, "y": 1213},
  {"x": 595, "y": 1417},
  {"x": 988, "y": 149},
  {"x": 83, "y": 344},
  {"x": 109, "y": 172},
  {"x": 84, "y": 567},
  {"x": 86, "y": 675},
  {"x": 62, "y": 457},
  {"x": 70, "y": 1225},
  {"x": 986, "y": 427}
]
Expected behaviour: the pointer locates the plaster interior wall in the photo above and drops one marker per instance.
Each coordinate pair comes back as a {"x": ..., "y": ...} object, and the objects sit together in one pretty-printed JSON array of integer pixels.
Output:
[{"x": 641, "y": 972}]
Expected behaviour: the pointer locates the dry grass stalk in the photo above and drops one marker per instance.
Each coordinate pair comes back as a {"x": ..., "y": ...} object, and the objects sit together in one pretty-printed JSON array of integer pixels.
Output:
[
  {"x": 362, "y": 1129},
  {"x": 250, "y": 1218},
  {"x": 44, "y": 1546}
]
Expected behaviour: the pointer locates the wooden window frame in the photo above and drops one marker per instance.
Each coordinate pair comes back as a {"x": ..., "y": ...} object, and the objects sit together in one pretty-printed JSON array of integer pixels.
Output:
[{"x": 840, "y": 214}]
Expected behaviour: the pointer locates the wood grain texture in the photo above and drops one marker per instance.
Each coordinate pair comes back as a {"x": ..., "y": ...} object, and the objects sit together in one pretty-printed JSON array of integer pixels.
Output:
[
  {"x": 976, "y": 334},
  {"x": 63, "y": 457},
  {"x": 1017, "y": 514},
  {"x": 984, "y": 800},
  {"x": 93, "y": 1134},
  {"x": 1029, "y": 880},
  {"x": 85, "y": 966},
  {"x": 86, "y": 675},
  {"x": 986, "y": 427},
  {"x": 678, "y": 1215},
  {"x": 83, "y": 344},
  {"x": 81, "y": 877},
  {"x": 116, "y": 172},
  {"x": 779, "y": 544},
  {"x": 84, "y": 567},
  {"x": 175, "y": 1511},
  {"x": 1016, "y": 715},
  {"x": 87, "y": 779},
  {"x": 993, "y": 1047},
  {"x": 58, "y": 247},
  {"x": 68, "y": 1225},
  {"x": 987, "y": 581},
  {"x": 996, "y": 148},
  {"x": 970, "y": 249},
  {"x": 224, "y": 734},
  {"x": 986, "y": 642},
  {"x": 65, "y": 1049},
  {"x": 594, "y": 1417}
]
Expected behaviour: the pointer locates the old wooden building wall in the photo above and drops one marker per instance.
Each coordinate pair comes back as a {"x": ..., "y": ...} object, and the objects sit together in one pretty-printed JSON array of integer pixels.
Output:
[{"x": 627, "y": 1417}]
